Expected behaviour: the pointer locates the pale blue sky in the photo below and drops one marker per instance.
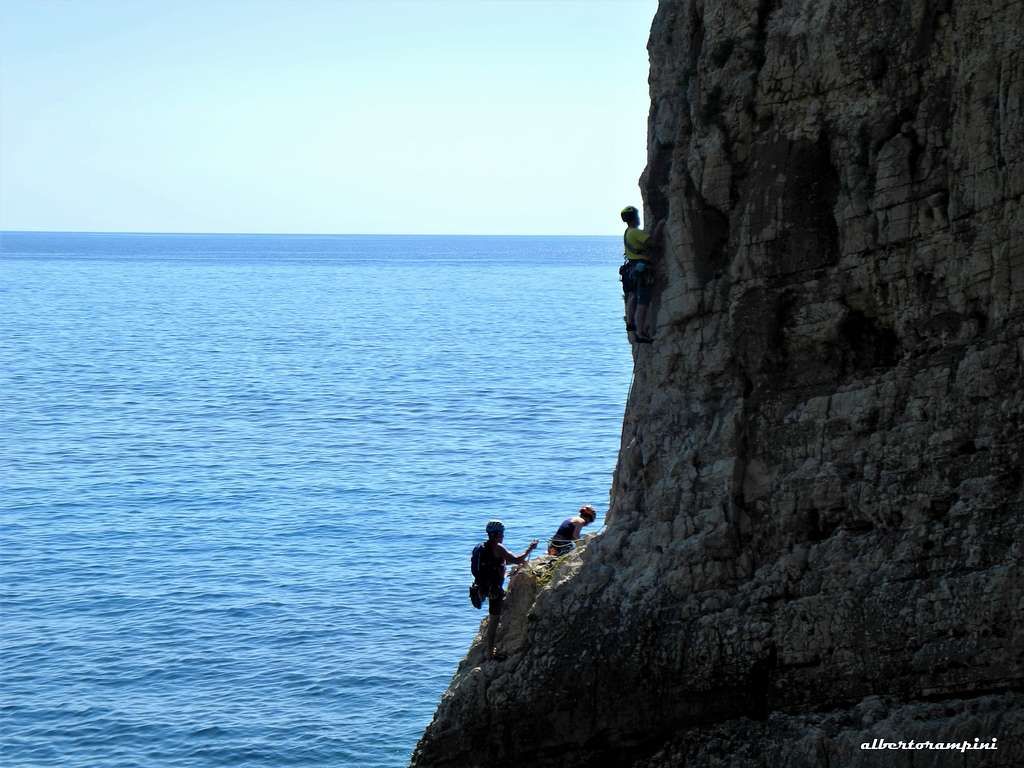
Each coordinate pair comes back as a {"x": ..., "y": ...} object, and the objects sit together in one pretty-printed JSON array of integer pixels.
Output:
[{"x": 471, "y": 117}]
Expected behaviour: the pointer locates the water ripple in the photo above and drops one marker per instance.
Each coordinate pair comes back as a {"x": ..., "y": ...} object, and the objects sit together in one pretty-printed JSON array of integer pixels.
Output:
[{"x": 242, "y": 477}]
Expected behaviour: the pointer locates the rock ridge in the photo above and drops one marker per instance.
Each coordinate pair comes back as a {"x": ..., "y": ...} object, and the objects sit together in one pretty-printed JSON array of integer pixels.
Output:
[{"x": 814, "y": 532}]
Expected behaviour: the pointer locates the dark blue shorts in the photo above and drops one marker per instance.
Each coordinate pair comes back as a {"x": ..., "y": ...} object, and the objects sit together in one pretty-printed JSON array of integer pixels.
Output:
[
  {"x": 560, "y": 548},
  {"x": 636, "y": 278},
  {"x": 495, "y": 597},
  {"x": 625, "y": 274}
]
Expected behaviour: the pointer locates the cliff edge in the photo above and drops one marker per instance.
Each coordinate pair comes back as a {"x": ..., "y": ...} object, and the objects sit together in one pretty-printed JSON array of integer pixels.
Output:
[{"x": 815, "y": 530}]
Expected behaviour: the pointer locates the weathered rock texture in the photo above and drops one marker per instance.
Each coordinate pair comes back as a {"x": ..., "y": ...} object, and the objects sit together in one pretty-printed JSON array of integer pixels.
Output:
[{"x": 815, "y": 534}]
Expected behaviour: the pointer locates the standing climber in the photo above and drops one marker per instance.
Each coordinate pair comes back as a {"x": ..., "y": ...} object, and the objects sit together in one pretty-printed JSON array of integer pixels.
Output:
[
  {"x": 637, "y": 276},
  {"x": 569, "y": 531},
  {"x": 493, "y": 559}
]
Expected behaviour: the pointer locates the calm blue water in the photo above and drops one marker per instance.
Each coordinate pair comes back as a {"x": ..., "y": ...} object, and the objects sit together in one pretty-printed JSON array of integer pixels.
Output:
[{"x": 240, "y": 478}]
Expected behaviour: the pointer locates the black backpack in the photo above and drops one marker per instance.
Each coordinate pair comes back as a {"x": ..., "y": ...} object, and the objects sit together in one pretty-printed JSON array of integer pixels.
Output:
[{"x": 480, "y": 563}]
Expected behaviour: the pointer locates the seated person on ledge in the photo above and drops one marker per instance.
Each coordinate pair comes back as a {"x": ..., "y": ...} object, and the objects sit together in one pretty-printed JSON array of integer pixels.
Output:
[{"x": 569, "y": 531}]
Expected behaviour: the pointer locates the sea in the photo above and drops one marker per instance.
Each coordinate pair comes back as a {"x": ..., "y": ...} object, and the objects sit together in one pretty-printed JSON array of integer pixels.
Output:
[{"x": 241, "y": 477}]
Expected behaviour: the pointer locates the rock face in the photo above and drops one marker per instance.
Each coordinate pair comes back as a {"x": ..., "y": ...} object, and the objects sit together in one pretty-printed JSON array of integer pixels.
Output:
[{"x": 815, "y": 530}]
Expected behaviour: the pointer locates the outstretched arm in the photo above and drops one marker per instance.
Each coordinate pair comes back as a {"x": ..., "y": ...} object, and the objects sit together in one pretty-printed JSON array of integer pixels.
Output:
[{"x": 521, "y": 558}]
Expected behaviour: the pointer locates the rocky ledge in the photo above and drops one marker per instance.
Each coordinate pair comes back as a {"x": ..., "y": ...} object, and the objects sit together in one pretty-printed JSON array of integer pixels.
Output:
[{"x": 815, "y": 529}]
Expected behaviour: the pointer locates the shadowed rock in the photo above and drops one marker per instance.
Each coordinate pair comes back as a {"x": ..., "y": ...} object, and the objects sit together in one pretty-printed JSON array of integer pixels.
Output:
[{"x": 814, "y": 538}]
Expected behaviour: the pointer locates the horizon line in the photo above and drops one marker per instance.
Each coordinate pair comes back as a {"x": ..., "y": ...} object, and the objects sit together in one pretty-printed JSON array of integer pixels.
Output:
[{"x": 277, "y": 234}]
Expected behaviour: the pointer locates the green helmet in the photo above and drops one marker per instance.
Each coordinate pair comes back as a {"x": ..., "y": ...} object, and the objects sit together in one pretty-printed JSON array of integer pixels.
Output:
[{"x": 628, "y": 212}]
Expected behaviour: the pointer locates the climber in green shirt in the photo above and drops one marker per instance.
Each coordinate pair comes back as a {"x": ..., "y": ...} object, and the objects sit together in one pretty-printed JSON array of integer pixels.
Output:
[{"x": 637, "y": 271}]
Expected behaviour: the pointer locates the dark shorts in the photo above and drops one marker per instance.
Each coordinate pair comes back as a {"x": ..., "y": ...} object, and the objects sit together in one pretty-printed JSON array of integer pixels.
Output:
[
  {"x": 637, "y": 281},
  {"x": 494, "y": 600},
  {"x": 626, "y": 275}
]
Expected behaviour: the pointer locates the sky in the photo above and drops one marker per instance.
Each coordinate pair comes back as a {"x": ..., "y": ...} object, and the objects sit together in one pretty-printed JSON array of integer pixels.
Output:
[{"x": 322, "y": 117}]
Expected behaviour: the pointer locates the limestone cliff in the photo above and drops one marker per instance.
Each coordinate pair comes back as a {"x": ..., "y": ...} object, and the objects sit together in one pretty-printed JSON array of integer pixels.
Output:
[{"x": 815, "y": 529}]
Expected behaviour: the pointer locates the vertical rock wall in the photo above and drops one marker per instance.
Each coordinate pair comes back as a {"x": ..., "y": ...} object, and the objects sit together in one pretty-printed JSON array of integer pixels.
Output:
[{"x": 815, "y": 535}]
